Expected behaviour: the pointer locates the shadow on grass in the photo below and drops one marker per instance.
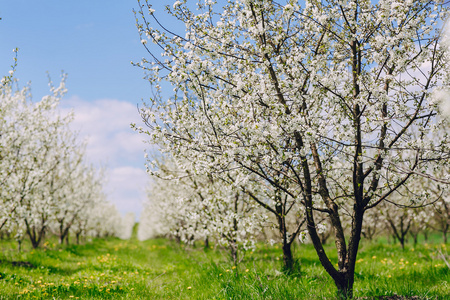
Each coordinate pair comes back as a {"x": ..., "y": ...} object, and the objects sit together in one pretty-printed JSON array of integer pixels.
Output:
[{"x": 19, "y": 264}]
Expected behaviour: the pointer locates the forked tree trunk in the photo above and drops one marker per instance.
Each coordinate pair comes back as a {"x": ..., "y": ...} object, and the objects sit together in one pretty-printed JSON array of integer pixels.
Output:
[
  {"x": 344, "y": 276},
  {"x": 35, "y": 235},
  {"x": 63, "y": 233},
  {"x": 401, "y": 232}
]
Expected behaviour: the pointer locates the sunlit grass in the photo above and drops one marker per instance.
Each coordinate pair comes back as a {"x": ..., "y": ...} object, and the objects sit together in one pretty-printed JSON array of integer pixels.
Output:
[{"x": 161, "y": 269}]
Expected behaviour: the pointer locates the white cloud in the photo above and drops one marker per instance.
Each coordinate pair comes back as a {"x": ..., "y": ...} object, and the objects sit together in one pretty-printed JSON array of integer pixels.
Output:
[
  {"x": 125, "y": 187},
  {"x": 105, "y": 124}
]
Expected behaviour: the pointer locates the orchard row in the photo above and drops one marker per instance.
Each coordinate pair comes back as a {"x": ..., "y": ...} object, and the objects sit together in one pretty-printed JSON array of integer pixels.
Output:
[{"x": 46, "y": 185}]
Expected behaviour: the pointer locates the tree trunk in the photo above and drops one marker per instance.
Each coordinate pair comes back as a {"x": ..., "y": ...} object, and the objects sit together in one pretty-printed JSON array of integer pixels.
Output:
[
  {"x": 77, "y": 236},
  {"x": 34, "y": 235},
  {"x": 346, "y": 291},
  {"x": 402, "y": 242},
  {"x": 234, "y": 253},
  {"x": 19, "y": 245},
  {"x": 415, "y": 236},
  {"x": 288, "y": 260}
]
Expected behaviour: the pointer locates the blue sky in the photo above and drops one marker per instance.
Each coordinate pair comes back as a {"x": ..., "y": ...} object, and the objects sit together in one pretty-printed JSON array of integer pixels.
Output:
[{"x": 93, "y": 42}]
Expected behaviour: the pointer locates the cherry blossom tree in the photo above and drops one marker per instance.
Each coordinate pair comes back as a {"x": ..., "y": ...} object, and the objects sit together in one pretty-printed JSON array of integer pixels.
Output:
[
  {"x": 81, "y": 190},
  {"x": 327, "y": 101}
]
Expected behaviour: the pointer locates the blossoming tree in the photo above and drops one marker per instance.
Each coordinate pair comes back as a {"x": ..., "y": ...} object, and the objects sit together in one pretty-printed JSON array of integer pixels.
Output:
[{"x": 327, "y": 101}]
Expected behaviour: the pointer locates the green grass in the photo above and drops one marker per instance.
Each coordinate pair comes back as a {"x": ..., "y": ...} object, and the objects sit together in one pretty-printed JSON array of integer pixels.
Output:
[{"x": 161, "y": 269}]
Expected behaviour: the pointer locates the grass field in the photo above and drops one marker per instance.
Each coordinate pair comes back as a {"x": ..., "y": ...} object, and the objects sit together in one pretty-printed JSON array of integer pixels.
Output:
[{"x": 161, "y": 269}]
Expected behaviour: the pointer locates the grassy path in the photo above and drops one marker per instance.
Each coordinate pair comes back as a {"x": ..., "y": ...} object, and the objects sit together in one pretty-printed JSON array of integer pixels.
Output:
[{"x": 160, "y": 269}]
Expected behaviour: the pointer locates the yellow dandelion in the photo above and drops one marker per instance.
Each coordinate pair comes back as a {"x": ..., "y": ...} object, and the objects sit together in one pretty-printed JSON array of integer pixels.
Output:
[
  {"x": 233, "y": 267},
  {"x": 246, "y": 270},
  {"x": 189, "y": 287},
  {"x": 374, "y": 257}
]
